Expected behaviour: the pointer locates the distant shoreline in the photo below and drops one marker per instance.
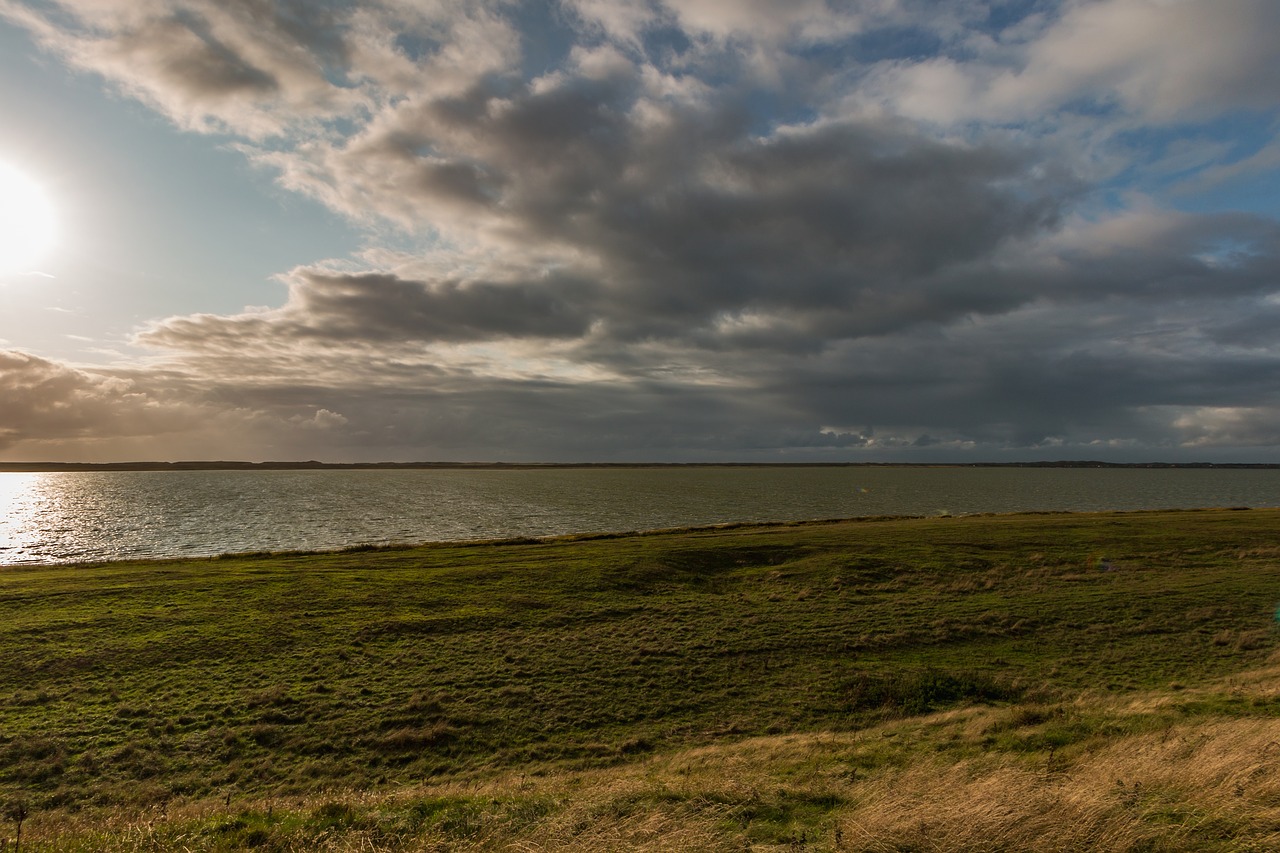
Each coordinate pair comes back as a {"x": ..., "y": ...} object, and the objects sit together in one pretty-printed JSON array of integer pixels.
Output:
[{"x": 54, "y": 467}]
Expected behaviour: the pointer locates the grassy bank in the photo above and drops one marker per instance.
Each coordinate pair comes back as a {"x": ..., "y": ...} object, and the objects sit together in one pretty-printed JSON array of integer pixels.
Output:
[{"x": 852, "y": 685}]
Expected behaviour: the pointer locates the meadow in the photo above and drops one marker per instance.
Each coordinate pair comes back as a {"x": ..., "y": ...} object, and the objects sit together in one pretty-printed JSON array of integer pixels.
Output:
[{"x": 1004, "y": 682}]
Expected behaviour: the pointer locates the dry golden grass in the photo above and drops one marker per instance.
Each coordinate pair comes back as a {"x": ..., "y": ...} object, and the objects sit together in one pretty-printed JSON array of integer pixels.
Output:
[
  {"x": 1139, "y": 781},
  {"x": 1185, "y": 788},
  {"x": 1201, "y": 785}
]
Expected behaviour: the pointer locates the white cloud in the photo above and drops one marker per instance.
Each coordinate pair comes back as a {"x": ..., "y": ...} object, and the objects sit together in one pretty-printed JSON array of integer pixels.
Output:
[
  {"x": 1165, "y": 62},
  {"x": 1265, "y": 160},
  {"x": 323, "y": 419}
]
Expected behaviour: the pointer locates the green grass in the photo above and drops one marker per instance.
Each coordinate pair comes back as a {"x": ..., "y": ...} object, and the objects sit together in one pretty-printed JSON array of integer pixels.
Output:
[{"x": 250, "y": 679}]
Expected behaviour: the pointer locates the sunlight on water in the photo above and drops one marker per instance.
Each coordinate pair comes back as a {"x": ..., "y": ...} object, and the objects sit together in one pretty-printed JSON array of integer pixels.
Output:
[
  {"x": 67, "y": 517},
  {"x": 15, "y": 492}
]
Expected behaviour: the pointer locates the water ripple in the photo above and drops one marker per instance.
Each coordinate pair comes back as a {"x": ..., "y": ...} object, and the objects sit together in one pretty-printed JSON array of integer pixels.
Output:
[{"x": 76, "y": 516}]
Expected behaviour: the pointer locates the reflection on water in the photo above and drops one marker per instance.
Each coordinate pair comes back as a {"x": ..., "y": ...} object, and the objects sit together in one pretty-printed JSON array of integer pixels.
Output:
[
  {"x": 15, "y": 511},
  {"x": 66, "y": 517}
]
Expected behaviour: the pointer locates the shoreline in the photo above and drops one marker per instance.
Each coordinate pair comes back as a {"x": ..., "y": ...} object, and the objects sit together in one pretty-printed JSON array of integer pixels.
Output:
[{"x": 555, "y": 539}]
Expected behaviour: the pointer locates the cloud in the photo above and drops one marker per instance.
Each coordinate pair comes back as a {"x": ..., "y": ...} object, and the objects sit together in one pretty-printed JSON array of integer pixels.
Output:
[
  {"x": 1229, "y": 426},
  {"x": 382, "y": 308},
  {"x": 1114, "y": 331},
  {"x": 45, "y": 398},
  {"x": 1163, "y": 61},
  {"x": 50, "y": 410},
  {"x": 246, "y": 66},
  {"x": 1167, "y": 60},
  {"x": 708, "y": 229},
  {"x": 1259, "y": 163},
  {"x": 323, "y": 419}
]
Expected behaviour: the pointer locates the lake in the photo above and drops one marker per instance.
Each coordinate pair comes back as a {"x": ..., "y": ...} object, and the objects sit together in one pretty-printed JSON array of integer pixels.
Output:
[{"x": 70, "y": 517}]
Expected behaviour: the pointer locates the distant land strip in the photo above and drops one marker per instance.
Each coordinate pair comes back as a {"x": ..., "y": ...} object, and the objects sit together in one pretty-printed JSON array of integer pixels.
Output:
[{"x": 311, "y": 465}]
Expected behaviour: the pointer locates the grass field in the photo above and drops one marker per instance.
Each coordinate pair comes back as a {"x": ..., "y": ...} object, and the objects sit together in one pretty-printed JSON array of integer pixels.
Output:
[{"x": 1038, "y": 682}]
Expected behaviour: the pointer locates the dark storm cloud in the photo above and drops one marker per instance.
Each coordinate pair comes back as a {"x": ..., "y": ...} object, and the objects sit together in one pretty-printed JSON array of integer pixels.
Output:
[
  {"x": 684, "y": 218},
  {"x": 1071, "y": 374},
  {"x": 468, "y": 417},
  {"x": 673, "y": 223},
  {"x": 375, "y": 307},
  {"x": 1258, "y": 329},
  {"x": 706, "y": 229},
  {"x": 814, "y": 220}
]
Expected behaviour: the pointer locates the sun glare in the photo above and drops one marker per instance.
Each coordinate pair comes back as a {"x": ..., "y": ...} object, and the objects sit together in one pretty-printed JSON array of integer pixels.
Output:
[{"x": 26, "y": 222}]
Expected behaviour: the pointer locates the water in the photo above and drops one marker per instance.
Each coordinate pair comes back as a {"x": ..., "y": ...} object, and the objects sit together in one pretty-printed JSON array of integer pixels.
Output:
[{"x": 67, "y": 517}]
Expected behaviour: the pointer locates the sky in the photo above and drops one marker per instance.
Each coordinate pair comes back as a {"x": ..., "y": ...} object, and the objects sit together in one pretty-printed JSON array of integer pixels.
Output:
[{"x": 631, "y": 230}]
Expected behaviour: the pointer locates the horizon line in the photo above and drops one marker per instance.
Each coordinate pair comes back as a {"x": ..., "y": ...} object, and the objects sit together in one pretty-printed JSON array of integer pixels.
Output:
[{"x": 233, "y": 465}]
